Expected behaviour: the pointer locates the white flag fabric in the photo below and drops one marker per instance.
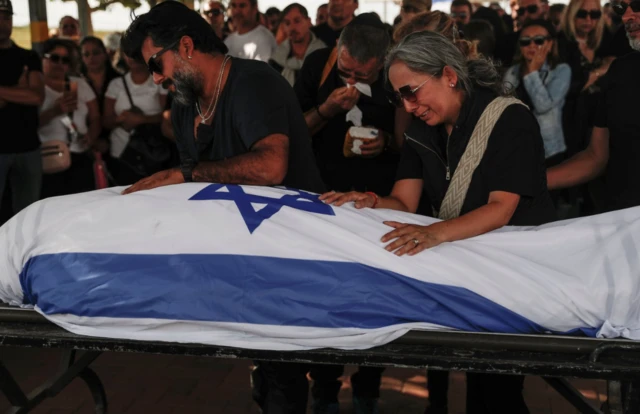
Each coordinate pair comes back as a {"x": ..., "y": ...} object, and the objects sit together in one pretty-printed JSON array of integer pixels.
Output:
[{"x": 273, "y": 268}]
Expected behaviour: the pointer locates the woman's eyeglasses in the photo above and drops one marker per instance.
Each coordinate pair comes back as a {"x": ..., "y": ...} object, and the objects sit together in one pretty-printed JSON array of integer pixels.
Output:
[
  {"x": 621, "y": 7},
  {"x": 594, "y": 14},
  {"x": 538, "y": 40},
  {"x": 57, "y": 58},
  {"x": 532, "y": 9},
  {"x": 153, "y": 64},
  {"x": 405, "y": 93}
]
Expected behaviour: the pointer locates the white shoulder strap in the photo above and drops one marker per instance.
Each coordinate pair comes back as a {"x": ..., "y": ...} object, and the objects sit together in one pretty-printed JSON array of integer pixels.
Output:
[{"x": 457, "y": 191}]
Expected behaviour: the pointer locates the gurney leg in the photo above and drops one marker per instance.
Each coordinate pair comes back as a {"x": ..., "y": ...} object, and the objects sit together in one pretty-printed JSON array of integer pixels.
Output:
[
  {"x": 10, "y": 387},
  {"x": 623, "y": 397},
  {"x": 571, "y": 394},
  {"x": 97, "y": 390},
  {"x": 69, "y": 370}
]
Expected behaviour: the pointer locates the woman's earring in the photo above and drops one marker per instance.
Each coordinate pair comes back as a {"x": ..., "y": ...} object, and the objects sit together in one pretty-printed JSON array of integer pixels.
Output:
[
  {"x": 188, "y": 57},
  {"x": 451, "y": 85}
]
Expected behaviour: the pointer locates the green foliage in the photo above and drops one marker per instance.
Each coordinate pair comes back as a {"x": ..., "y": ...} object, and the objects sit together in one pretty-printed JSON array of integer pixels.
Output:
[{"x": 132, "y": 4}]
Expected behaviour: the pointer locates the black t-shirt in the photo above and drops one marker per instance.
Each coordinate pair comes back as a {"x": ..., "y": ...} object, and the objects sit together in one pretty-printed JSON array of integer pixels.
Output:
[
  {"x": 620, "y": 43},
  {"x": 570, "y": 53},
  {"x": 256, "y": 102},
  {"x": 339, "y": 172},
  {"x": 513, "y": 161},
  {"x": 20, "y": 122},
  {"x": 325, "y": 33},
  {"x": 618, "y": 111}
]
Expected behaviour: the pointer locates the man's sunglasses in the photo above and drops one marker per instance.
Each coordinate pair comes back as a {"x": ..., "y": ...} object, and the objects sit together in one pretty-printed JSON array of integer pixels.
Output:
[
  {"x": 410, "y": 9},
  {"x": 538, "y": 40},
  {"x": 213, "y": 12},
  {"x": 532, "y": 9},
  {"x": 405, "y": 93},
  {"x": 621, "y": 7},
  {"x": 462, "y": 15},
  {"x": 57, "y": 58},
  {"x": 153, "y": 64},
  {"x": 594, "y": 14},
  {"x": 346, "y": 75}
]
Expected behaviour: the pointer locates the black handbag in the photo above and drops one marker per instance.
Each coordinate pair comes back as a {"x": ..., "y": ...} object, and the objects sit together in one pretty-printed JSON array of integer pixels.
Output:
[{"x": 148, "y": 151}]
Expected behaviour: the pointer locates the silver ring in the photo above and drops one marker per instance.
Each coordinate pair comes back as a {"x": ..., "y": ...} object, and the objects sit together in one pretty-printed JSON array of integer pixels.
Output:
[{"x": 415, "y": 242}]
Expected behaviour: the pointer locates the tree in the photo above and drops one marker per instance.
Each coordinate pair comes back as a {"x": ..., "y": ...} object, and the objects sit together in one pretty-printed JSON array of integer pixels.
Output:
[{"x": 85, "y": 10}]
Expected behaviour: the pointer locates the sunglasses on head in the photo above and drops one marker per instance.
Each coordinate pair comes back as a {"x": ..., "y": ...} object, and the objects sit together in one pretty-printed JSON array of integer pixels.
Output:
[
  {"x": 594, "y": 14},
  {"x": 529, "y": 9},
  {"x": 57, "y": 58},
  {"x": 621, "y": 7},
  {"x": 405, "y": 93},
  {"x": 213, "y": 12},
  {"x": 153, "y": 64}
]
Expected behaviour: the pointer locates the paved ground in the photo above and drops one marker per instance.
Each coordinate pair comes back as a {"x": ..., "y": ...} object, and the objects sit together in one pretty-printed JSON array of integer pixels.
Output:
[{"x": 160, "y": 384}]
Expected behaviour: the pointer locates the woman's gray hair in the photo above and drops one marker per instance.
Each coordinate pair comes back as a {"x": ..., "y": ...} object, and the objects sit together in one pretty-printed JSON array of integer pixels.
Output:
[{"x": 429, "y": 52}]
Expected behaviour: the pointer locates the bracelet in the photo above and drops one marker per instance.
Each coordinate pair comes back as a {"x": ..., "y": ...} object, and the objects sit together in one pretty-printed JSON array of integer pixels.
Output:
[
  {"x": 324, "y": 118},
  {"x": 375, "y": 196}
]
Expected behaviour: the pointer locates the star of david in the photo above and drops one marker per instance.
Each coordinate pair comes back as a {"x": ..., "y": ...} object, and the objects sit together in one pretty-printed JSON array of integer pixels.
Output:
[{"x": 253, "y": 217}]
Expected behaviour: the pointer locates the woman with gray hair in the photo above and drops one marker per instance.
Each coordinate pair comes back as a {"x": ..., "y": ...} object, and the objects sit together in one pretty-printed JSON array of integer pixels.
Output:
[{"x": 476, "y": 154}]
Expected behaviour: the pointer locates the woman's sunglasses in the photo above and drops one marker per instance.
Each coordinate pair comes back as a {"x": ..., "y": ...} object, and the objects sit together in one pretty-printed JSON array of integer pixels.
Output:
[
  {"x": 621, "y": 7},
  {"x": 153, "y": 64},
  {"x": 538, "y": 40},
  {"x": 213, "y": 12},
  {"x": 594, "y": 14},
  {"x": 529, "y": 9},
  {"x": 57, "y": 58},
  {"x": 405, "y": 93}
]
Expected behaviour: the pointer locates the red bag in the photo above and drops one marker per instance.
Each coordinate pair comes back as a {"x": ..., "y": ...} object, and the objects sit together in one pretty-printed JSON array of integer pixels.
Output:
[{"x": 100, "y": 171}]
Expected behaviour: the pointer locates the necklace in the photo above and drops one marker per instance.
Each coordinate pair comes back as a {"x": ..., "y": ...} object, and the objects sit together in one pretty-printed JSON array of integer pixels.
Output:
[{"x": 214, "y": 100}]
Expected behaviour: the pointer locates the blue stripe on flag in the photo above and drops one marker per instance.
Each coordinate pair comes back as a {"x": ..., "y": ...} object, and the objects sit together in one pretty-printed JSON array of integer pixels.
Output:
[{"x": 252, "y": 289}]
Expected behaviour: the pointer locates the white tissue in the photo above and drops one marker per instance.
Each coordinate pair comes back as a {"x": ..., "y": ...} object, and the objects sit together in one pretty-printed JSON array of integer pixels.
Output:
[
  {"x": 355, "y": 116},
  {"x": 362, "y": 87}
]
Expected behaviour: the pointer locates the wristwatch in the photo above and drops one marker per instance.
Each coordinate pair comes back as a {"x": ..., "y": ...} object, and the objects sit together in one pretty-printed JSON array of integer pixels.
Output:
[{"x": 187, "y": 172}]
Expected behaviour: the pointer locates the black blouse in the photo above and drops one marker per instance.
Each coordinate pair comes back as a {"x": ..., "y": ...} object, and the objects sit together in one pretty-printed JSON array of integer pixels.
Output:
[{"x": 513, "y": 161}]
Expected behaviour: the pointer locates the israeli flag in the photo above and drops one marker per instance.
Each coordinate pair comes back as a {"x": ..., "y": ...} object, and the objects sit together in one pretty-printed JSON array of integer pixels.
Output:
[{"x": 273, "y": 268}]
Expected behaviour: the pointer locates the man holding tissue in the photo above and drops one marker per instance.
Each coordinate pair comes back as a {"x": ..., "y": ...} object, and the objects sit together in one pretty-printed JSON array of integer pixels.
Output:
[{"x": 341, "y": 91}]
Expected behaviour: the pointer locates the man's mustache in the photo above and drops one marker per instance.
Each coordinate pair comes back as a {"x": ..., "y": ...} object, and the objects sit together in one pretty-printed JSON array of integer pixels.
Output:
[
  {"x": 629, "y": 27},
  {"x": 167, "y": 83}
]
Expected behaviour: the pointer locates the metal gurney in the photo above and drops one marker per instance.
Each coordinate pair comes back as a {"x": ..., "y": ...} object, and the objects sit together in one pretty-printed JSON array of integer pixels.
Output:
[{"x": 553, "y": 357}]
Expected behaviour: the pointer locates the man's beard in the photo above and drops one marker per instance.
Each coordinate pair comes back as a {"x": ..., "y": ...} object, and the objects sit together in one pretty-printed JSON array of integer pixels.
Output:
[
  {"x": 633, "y": 42},
  {"x": 189, "y": 85}
]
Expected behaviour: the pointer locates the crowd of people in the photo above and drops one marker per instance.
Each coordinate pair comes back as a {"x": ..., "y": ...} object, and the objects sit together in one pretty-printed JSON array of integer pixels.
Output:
[{"x": 479, "y": 117}]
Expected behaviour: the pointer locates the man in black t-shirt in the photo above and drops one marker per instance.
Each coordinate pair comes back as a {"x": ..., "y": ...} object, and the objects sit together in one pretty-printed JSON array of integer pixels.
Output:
[
  {"x": 615, "y": 141},
  {"x": 329, "y": 104},
  {"x": 340, "y": 15},
  {"x": 21, "y": 92},
  {"x": 235, "y": 122}
]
